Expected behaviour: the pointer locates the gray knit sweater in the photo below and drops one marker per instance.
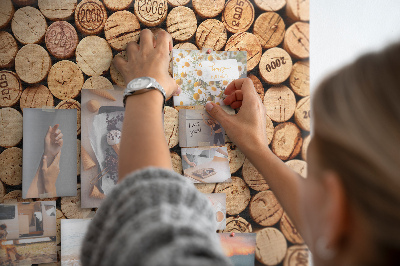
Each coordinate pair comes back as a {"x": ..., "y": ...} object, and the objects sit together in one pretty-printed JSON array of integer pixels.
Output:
[{"x": 154, "y": 217}]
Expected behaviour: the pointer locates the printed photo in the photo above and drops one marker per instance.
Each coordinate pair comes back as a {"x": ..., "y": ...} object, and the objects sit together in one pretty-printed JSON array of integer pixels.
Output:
[
  {"x": 204, "y": 76},
  {"x": 102, "y": 117},
  {"x": 49, "y": 154},
  {"x": 218, "y": 201},
  {"x": 240, "y": 248},
  {"x": 28, "y": 233},
  {"x": 197, "y": 128},
  {"x": 206, "y": 164},
  {"x": 72, "y": 233}
]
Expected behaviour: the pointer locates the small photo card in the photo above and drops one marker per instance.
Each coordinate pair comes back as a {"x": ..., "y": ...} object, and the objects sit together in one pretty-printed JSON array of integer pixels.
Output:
[
  {"x": 240, "y": 248},
  {"x": 50, "y": 153},
  {"x": 197, "y": 128},
  {"x": 72, "y": 234},
  {"x": 204, "y": 76},
  {"x": 206, "y": 164},
  {"x": 218, "y": 201}
]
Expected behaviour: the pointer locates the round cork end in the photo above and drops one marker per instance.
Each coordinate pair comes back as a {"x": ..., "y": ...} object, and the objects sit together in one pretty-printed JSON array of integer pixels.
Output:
[
  {"x": 10, "y": 88},
  {"x": 175, "y": 3},
  {"x": 237, "y": 195},
  {"x": 236, "y": 157},
  {"x": 275, "y": 65},
  {"x": 72, "y": 104},
  {"x": 253, "y": 178},
  {"x": 181, "y": 23},
  {"x": 257, "y": 85},
  {"x": 28, "y": 25},
  {"x": 121, "y": 28},
  {"x": 7, "y": 12},
  {"x": 300, "y": 78},
  {"x": 298, "y": 10},
  {"x": 289, "y": 231},
  {"x": 57, "y": 9},
  {"x": 287, "y": 141},
  {"x": 265, "y": 208},
  {"x": 280, "y": 103},
  {"x": 11, "y": 166},
  {"x": 297, "y": 40},
  {"x": 245, "y": 41},
  {"x": 32, "y": 63},
  {"x": 186, "y": 46},
  {"x": 270, "y": 5},
  {"x": 211, "y": 33},
  {"x": 176, "y": 163},
  {"x": 304, "y": 148},
  {"x": 15, "y": 196},
  {"x": 61, "y": 39},
  {"x": 159, "y": 10},
  {"x": 206, "y": 188},
  {"x": 297, "y": 255},
  {"x": 10, "y": 127},
  {"x": 116, "y": 76},
  {"x": 117, "y": 5},
  {"x": 98, "y": 83},
  {"x": 93, "y": 55},
  {"x": 298, "y": 166},
  {"x": 90, "y": 17},
  {"x": 269, "y": 29},
  {"x": 70, "y": 206},
  {"x": 36, "y": 96},
  {"x": 25, "y": 2},
  {"x": 208, "y": 8},
  {"x": 2, "y": 192},
  {"x": 59, "y": 216},
  {"x": 8, "y": 49},
  {"x": 171, "y": 126},
  {"x": 271, "y": 246},
  {"x": 65, "y": 80},
  {"x": 238, "y": 16},
  {"x": 237, "y": 225},
  {"x": 302, "y": 114}
]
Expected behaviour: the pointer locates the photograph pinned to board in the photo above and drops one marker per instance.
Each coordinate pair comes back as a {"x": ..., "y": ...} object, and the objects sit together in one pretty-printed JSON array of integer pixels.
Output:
[
  {"x": 206, "y": 164},
  {"x": 28, "y": 233},
  {"x": 218, "y": 201},
  {"x": 102, "y": 117},
  {"x": 72, "y": 234},
  {"x": 240, "y": 248},
  {"x": 197, "y": 128},
  {"x": 204, "y": 75},
  {"x": 50, "y": 153}
]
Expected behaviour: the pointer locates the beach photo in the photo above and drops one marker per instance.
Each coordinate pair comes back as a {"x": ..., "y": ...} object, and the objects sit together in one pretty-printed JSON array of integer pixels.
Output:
[
  {"x": 218, "y": 201},
  {"x": 240, "y": 248},
  {"x": 72, "y": 234}
]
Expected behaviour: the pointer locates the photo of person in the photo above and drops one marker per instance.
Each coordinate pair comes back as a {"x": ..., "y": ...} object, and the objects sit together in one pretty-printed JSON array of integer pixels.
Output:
[
  {"x": 216, "y": 130},
  {"x": 10, "y": 250}
]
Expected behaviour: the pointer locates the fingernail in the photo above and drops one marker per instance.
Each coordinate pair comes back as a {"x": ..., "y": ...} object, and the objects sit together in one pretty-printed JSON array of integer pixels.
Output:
[
  {"x": 209, "y": 106},
  {"x": 179, "y": 90}
]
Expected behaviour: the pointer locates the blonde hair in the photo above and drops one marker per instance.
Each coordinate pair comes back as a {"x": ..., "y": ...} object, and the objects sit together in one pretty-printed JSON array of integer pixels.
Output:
[{"x": 356, "y": 114}]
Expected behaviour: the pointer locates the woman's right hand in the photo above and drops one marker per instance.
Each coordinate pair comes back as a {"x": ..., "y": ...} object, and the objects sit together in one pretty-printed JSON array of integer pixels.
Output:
[{"x": 247, "y": 128}]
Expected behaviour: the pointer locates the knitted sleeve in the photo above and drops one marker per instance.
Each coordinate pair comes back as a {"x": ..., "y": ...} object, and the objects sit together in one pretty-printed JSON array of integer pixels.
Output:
[{"x": 154, "y": 217}]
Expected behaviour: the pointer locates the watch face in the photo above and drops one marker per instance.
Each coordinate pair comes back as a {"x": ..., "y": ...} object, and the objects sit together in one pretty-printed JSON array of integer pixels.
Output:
[{"x": 140, "y": 83}]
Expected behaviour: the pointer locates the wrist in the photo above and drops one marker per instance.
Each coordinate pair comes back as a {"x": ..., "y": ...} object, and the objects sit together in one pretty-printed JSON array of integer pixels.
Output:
[{"x": 150, "y": 99}]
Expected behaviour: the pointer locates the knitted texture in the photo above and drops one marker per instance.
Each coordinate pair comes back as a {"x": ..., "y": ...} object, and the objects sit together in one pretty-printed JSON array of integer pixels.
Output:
[{"x": 154, "y": 217}]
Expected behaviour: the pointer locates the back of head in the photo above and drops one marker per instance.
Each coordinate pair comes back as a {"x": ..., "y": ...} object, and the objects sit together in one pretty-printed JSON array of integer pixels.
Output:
[{"x": 356, "y": 114}]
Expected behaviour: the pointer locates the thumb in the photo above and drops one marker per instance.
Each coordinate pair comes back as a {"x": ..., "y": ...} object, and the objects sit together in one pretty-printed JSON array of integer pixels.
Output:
[{"x": 218, "y": 113}]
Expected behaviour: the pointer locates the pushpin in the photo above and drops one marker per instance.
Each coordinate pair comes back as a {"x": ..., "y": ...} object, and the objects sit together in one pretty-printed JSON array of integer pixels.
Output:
[
  {"x": 232, "y": 234},
  {"x": 209, "y": 51}
]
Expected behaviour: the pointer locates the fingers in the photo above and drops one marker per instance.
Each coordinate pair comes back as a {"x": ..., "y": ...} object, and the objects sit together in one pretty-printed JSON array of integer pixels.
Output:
[
  {"x": 44, "y": 163},
  {"x": 178, "y": 91},
  {"x": 163, "y": 41},
  {"x": 48, "y": 132},
  {"x": 55, "y": 127},
  {"x": 235, "y": 99},
  {"x": 59, "y": 136},
  {"x": 146, "y": 40},
  {"x": 119, "y": 62},
  {"x": 218, "y": 113},
  {"x": 131, "y": 49},
  {"x": 60, "y": 142},
  {"x": 245, "y": 85}
]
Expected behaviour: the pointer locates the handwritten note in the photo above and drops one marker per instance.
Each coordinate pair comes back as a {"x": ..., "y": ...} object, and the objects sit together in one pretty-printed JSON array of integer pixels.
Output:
[{"x": 219, "y": 70}]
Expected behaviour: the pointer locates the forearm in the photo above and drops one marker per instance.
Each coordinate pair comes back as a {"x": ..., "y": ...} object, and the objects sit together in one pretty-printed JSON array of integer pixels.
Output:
[{"x": 35, "y": 186}]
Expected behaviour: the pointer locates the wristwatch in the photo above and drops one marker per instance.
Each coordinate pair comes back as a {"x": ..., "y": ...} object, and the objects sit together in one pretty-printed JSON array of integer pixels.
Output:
[{"x": 142, "y": 85}]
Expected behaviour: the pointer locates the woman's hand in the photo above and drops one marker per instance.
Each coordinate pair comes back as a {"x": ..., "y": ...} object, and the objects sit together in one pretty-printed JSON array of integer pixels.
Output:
[
  {"x": 52, "y": 142},
  {"x": 50, "y": 174},
  {"x": 150, "y": 58}
]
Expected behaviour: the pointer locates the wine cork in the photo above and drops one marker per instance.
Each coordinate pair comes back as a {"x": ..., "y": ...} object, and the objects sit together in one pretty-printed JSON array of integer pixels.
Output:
[
  {"x": 271, "y": 246},
  {"x": 265, "y": 208},
  {"x": 297, "y": 255},
  {"x": 302, "y": 115},
  {"x": 181, "y": 23},
  {"x": 78, "y": 156},
  {"x": 90, "y": 17},
  {"x": 28, "y": 25},
  {"x": 237, "y": 225},
  {"x": 289, "y": 231},
  {"x": 171, "y": 126},
  {"x": 93, "y": 55},
  {"x": 25, "y": 2},
  {"x": 298, "y": 166},
  {"x": 275, "y": 65},
  {"x": 8, "y": 49},
  {"x": 36, "y": 96},
  {"x": 280, "y": 103},
  {"x": 71, "y": 207},
  {"x": 10, "y": 127},
  {"x": 72, "y": 104},
  {"x": 208, "y": 8},
  {"x": 59, "y": 216},
  {"x": 245, "y": 41},
  {"x": 117, "y": 5},
  {"x": 211, "y": 33},
  {"x": 287, "y": 141},
  {"x": 186, "y": 46},
  {"x": 257, "y": 85},
  {"x": 300, "y": 78},
  {"x": 57, "y": 9},
  {"x": 65, "y": 80},
  {"x": 2, "y": 192},
  {"x": 32, "y": 63},
  {"x": 121, "y": 28},
  {"x": 238, "y": 15},
  {"x": 236, "y": 157},
  {"x": 237, "y": 195},
  {"x": 270, "y": 5},
  {"x": 304, "y": 148},
  {"x": 175, "y": 3},
  {"x": 61, "y": 39},
  {"x": 98, "y": 83},
  {"x": 298, "y": 10},
  {"x": 176, "y": 162},
  {"x": 11, "y": 166},
  {"x": 269, "y": 29},
  {"x": 7, "y": 12},
  {"x": 157, "y": 15},
  {"x": 253, "y": 178},
  {"x": 206, "y": 188},
  {"x": 15, "y": 196},
  {"x": 10, "y": 88},
  {"x": 297, "y": 40}
]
